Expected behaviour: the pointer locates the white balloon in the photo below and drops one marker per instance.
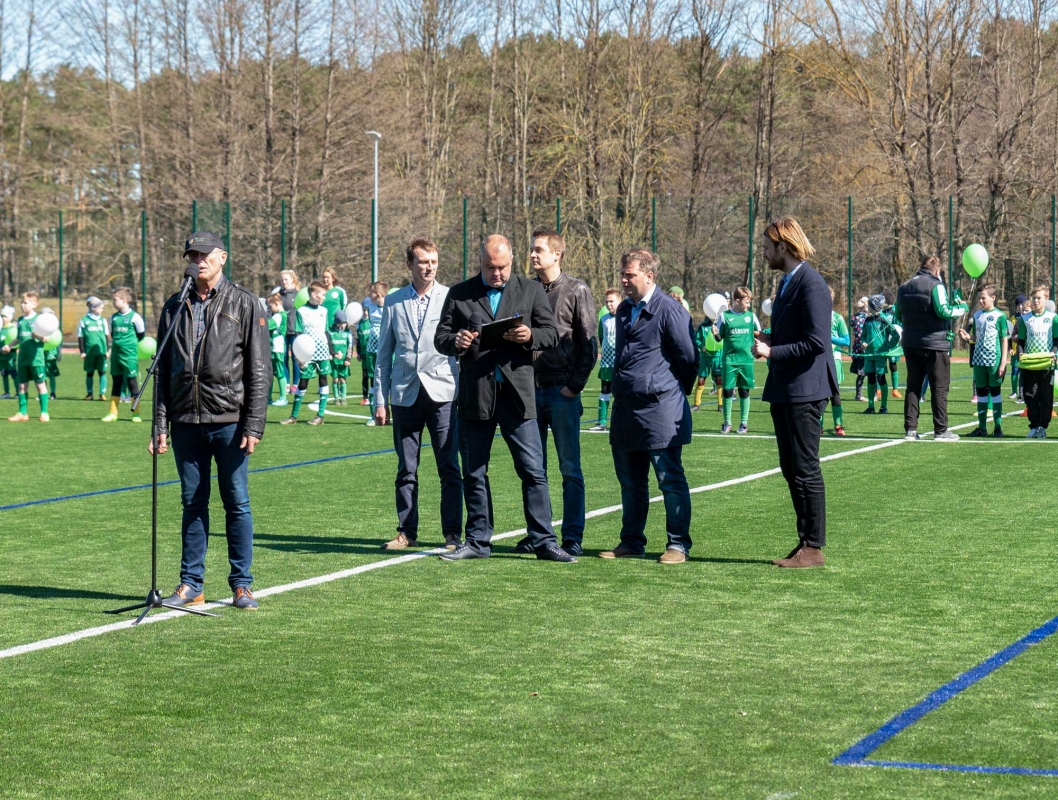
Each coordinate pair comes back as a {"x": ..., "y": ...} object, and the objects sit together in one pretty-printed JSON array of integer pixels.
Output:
[
  {"x": 714, "y": 305},
  {"x": 766, "y": 306},
  {"x": 304, "y": 347},
  {"x": 1049, "y": 305},
  {"x": 45, "y": 325},
  {"x": 354, "y": 312}
]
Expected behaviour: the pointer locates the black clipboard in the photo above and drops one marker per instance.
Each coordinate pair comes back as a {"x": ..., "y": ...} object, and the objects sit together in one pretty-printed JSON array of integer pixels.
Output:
[{"x": 492, "y": 334}]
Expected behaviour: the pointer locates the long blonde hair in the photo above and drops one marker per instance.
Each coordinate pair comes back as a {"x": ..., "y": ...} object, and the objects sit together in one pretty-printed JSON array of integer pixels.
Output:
[
  {"x": 786, "y": 230},
  {"x": 293, "y": 275}
]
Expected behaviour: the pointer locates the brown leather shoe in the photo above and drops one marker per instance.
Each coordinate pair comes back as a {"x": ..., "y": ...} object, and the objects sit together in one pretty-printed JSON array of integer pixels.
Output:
[
  {"x": 400, "y": 543},
  {"x": 620, "y": 552},
  {"x": 673, "y": 556},
  {"x": 185, "y": 596},
  {"x": 805, "y": 557},
  {"x": 789, "y": 555}
]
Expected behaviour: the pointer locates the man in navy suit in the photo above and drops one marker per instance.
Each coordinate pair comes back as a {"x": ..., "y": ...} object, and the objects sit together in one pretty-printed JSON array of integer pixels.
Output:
[
  {"x": 655, "y": 366},
  {"x": 801, "y": 378}
]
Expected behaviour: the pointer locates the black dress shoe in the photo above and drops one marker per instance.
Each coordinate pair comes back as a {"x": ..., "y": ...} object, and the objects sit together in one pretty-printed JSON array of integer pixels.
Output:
[
  {"x": 573, "y": 548},
  {"x": 551, "y": 552},
  {"x": 463, "y": 550},
  {"x": 523, "y": 547}
]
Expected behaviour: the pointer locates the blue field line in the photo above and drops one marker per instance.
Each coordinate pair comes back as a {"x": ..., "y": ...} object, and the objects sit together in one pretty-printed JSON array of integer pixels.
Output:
[
  {"x": 121, "y": 489},
  {"x": 858, "y": 753},
  {"x": 958, "y": 768}
]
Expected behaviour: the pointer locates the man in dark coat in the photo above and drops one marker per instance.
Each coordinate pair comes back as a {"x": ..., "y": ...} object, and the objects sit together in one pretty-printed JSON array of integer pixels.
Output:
[
  {"x": 801, "y": 379},
  {"x": 496, "y": 386},
  {"x": 655, "y": 366}
]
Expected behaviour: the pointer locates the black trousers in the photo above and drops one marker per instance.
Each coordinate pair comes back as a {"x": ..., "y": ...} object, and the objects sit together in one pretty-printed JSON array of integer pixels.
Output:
[
  {"x": 935, "y": 365},
  {"x": 1039, "y": 396},
  {"x": 797, "y": 434}
]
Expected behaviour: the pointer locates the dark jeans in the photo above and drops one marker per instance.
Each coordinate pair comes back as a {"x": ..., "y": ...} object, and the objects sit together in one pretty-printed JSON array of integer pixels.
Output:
[
  {"x": 1039, "y": 396},
  {"x": 797, "y": 434},
  {"x": 562, "y": 414},
  {"x": 408, "y": 424},
  {"x": 633, "y": 473},
  {"x": 934, "y": 365},
  {"x": 523, "y": 440},
  {"x": 293, "y": 378},
  {"x": 195, "y": 447}
]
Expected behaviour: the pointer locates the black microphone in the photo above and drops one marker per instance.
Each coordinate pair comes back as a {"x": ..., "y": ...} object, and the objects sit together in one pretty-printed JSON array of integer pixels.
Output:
[{"x": 189, "y": 275}]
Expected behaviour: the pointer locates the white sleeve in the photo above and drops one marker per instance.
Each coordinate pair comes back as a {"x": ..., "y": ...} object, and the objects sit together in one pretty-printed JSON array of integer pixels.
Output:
[
  {"x": 756, "y": 324},
  {"x": 80, "y": 328},
  {"x": 137, "y": 323},
  {"x": 106, "y": 326}
]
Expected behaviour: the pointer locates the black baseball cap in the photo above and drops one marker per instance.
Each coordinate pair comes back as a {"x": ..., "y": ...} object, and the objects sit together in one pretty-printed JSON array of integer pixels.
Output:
[{"x": 203, "y": 242}]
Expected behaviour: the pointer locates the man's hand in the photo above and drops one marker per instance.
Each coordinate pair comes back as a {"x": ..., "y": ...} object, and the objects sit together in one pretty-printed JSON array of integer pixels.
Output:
[
  {"x": 7, "y": 349},
  {"x": 465, "y": 338},
  {"x": 163, "y": 444},
  {"x": 964, "y": 335},
  {"x": 761, "y": 345},
  {"x": 380, "y": 414},
  {"x": 565, "y": 391},
  {"x": 248, "y": 443},
  {"x": 522, "y": 334}
]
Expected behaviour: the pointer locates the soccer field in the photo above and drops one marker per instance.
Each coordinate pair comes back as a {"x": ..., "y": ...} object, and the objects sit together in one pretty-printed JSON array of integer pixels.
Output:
[{"x": 512, "y": 678}]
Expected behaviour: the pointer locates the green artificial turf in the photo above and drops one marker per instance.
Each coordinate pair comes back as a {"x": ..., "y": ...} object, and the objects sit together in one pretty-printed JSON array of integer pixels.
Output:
[{"x": 516, "y": 678}]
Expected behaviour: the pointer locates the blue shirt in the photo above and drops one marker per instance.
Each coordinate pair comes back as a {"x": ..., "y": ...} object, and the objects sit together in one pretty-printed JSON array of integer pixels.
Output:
[
  {"x": 495, "y": 296},
  {"x": 636, "y": 308},
  {"x": 786, "y": 278}
]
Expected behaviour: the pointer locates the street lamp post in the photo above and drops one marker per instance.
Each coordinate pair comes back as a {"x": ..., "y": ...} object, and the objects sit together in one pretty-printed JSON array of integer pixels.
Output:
[{"x": 374, "y": 212}]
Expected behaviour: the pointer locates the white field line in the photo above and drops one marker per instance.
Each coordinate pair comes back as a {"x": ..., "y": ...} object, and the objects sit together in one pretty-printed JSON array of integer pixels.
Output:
[{"x": 88, "y": 633}]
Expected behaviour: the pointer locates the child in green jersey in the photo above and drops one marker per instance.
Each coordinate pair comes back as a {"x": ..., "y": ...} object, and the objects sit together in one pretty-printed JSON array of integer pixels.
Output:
[
  {"x": 30, "y": 360},
  {"x": 991, "y": 338},
  {"x": 607, "y": 353},
  {"x": 277, "y": 328},
  {"x": 1037, "y": 341},
  {"x": 879, "y": 337},
  {"x": 93, "y": 341},
  {"x": 52, "y": 357},
  {"x": 735, "y": 329},
  {"x": 839, "y": 337},
  {"x": 8, "y": 335},
  {"x": 311, "y": 319},
  {"x": 896, "y": 352},
  {"x": 335, "y": 298},
  {"x": 367, "y": 354},
  {"x": 342, "y": 345},
  {"x": 126, "y": 330}
]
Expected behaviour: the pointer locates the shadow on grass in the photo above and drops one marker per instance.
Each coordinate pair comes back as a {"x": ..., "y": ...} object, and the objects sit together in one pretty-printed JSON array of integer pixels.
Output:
[
  {"x": 55, "y": 592},
  {"x": 292, "y": 543}
]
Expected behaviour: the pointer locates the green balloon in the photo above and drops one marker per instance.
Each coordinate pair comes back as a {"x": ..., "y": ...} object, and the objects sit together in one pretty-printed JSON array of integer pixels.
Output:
[
  {"x": 301, "y": 297},
  {"x": 53, "y": 342},
  {"x": 394, "y": 289},
  {"x": 9, "y": 334},
  {"x": 975, "y": 260},
  {"x": 711, "y": 344},
  {"x": 147, "y": 347}
]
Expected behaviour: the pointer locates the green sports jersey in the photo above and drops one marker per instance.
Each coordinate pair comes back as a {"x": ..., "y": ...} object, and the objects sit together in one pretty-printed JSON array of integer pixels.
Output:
[
  {"x": 124, "y": 329},
  {"x": 736, "y": 332},
  {"x": 363, "y": 335},
  {"x": 334, "y": 300},
  {"x": 1038, "y": 331},
  {"x": 879, "y": 336},
  {"x": 30, "y": 350},
  {"x": 312, "y": 320},
  {"x": 839, "y": 333},
  {"x": 990, "y": 328},
  {"x": 341, "y": 343},
  {"x": 277, "y": 328},
  {"x": 93, "y": 329}
]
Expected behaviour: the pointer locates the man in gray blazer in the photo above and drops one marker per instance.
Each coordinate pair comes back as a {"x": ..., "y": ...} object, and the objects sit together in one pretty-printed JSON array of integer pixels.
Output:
[{"x": 420, "y": 385}]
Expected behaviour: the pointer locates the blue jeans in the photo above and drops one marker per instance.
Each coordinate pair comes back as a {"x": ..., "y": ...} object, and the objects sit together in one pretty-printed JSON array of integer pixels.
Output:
[
  {"x": 195, "y": 448},
  {"x": 523, "y": 440},
  {"x": 562, "y": 414},
  {"x": 293, "y": 377},
  {"x": 633, "y": 468}
]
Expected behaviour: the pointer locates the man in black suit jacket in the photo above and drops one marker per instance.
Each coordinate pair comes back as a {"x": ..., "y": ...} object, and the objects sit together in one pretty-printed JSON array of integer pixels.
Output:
[
  {"x": 496, "y": 386},
  {"x": 801, "y": 378}
]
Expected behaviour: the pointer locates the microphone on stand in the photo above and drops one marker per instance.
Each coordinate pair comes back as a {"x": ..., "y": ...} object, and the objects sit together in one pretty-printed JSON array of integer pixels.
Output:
[{"x": 189, "y": 280}]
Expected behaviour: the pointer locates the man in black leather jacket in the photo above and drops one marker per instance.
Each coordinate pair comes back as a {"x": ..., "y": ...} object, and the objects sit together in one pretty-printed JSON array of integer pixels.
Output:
[{"x": 211, "y": 398}]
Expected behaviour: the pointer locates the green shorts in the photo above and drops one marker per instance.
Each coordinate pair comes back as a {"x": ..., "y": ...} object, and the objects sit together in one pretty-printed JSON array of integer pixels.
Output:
[
  {"x": 894, "y": 361},
  {"x": 987, "y": 377},
  {"x": 605, "y": 373},
  {"x": 875, "y": 365},
  {"x": 126, "y": 366},
  {"x": 279, "y": 365},
  {"x": 369, "y": 364},
  {"x": 31, "y": 374},
  {"x": 707, "y": 364},
  {"x": 738, "y": 376},
  {"x": 314, "y": 368},
  {"x": 839, "y": 368},
  {"x": 51, "y": 368},
  {"x": 95, "y": 363},
  {"x": 340, "y": 369}
]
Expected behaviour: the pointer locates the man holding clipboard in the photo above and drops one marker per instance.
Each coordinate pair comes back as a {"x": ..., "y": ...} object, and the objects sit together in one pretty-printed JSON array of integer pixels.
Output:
[{"x": 493, "y": 322}]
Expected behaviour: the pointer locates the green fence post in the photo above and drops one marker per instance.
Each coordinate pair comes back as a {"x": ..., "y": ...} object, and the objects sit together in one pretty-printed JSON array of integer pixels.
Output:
[
  {"x": 848, "y": 274},
  {"x": 60, "y": 268},
  {"x": 464, "y": 237},
  {"x": 374, "y": 243},
  {"x": 749, "y": 252},
  {"x": 654, "y": 224},
  {"x": 143, "y": 262},
  {"x": 194, "y": 215},
  {"x": 227, "y": 238},
  {"x": 558, "y": 214},
  {"x": 283, "y": 234}
]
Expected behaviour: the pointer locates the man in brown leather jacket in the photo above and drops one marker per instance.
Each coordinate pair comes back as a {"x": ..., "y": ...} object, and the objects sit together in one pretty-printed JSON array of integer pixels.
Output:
[
  {"x": 561, "y": 373},
  {"x": 211, "y": 396}
]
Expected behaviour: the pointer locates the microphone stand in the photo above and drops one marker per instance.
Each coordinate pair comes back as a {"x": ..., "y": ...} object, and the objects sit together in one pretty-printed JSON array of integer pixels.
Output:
[{"x": 154, "y": 597}]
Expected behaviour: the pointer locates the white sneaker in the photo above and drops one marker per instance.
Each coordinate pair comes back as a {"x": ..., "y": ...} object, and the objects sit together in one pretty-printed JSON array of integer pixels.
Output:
[
  {"x": 911, "y": 436},
  {"x": 947, "y": 436}
]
